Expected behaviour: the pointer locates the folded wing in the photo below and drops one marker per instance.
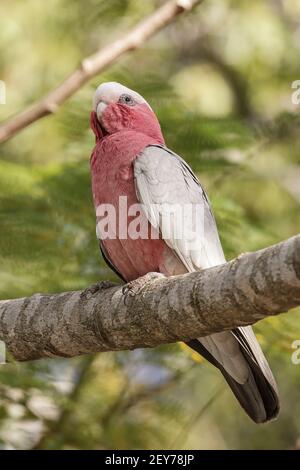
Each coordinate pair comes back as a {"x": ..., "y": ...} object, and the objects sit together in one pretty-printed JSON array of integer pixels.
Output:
[{"x": 176, "y": 205}]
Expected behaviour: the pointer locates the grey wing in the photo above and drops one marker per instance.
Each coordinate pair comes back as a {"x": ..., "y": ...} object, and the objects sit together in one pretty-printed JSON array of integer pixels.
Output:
[
  {"x": 176, "y": 204},
  {"x": 164, "y": 185},
  {"x": 248, "y": 341}
]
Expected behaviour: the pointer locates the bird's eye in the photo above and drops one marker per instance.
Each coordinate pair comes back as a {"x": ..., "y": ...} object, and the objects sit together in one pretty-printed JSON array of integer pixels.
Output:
[{"x": 127, "y": 99}]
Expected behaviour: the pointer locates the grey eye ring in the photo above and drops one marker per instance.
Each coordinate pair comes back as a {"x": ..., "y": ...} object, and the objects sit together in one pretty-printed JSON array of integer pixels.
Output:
[{"x": 127, "y": 99}]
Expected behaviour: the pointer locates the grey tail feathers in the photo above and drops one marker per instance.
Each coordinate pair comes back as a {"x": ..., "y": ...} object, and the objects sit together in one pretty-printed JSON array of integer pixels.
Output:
[{"x": 257, "y": 396}]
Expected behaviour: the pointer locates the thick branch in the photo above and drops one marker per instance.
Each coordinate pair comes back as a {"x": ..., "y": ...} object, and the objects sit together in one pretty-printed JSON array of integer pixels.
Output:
[
  {"x": 163, "y": 310},
  {"x": 96, "y": 63}
]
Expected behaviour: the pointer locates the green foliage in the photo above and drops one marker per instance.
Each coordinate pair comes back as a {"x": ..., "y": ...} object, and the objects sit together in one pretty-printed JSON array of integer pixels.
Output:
[{"x": 247, "y": 163}]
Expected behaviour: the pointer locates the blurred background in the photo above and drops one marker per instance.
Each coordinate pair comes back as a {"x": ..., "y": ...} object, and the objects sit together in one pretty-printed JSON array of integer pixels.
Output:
[{"x": 220, "y": 80}]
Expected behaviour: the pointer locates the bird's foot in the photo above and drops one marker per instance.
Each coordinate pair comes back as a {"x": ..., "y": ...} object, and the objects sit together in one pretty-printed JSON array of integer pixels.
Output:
[
  {"x": 132, "y": 288},
  {"x": 94, "y": 288}
]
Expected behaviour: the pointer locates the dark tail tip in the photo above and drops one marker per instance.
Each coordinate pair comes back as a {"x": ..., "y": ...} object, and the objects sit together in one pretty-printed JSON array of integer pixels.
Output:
[{"x": 257, "y": 397}]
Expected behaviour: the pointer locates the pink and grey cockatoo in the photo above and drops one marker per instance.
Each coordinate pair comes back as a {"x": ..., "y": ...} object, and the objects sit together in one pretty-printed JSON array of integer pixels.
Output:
[{"x": 131, "y": 159}]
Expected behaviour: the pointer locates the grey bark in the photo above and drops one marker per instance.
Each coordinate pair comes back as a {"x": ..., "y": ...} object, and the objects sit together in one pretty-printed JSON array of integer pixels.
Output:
[{"x": 154, "y": 310}]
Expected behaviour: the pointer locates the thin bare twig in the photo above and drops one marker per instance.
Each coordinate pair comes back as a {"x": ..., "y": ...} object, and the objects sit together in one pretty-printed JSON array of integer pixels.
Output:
[{"x": 96, "y": 63}]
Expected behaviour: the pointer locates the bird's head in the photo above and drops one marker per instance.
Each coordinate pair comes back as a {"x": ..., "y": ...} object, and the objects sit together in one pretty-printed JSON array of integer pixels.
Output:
[{"x": 117, "y": 108}]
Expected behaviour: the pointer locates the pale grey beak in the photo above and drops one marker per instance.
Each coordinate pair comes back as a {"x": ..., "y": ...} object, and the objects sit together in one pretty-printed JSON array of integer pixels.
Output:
[{"x": 100, "y": 109}]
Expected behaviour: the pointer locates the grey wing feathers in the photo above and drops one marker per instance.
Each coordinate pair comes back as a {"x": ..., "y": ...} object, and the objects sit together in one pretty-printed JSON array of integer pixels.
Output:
[
  {"x": 249, "y": 343},
  {"x": 176, "y": 204},
  {"x": 257, "y": 395},
  {"x": 164, "y": 184}
]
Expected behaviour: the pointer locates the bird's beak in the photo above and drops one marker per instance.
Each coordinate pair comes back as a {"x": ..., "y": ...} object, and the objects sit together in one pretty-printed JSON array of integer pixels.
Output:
[
  {"x": 100, "y": 109},
  {"x": 96, "y": 120},
  {"x": 97, "y": 127}
]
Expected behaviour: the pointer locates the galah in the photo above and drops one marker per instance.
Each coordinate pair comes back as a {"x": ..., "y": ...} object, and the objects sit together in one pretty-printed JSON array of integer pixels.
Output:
[{"x": 131, "y": 160}]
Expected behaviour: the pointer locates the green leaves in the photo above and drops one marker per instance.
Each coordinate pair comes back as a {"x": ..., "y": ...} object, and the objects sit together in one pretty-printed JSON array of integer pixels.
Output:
[{"x": 47, "y": 221}]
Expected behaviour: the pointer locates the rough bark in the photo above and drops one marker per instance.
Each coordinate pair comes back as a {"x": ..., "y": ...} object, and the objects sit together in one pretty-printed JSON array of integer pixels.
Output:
[
  {"x": 153, "y": 311},
  {"x": 96, "y": 63}
]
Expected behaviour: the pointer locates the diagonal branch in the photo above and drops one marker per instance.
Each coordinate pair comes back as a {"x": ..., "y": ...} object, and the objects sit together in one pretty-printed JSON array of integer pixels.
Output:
[
  {"x": 107, "y": 317},
  {"x": 96, "y": 63}
]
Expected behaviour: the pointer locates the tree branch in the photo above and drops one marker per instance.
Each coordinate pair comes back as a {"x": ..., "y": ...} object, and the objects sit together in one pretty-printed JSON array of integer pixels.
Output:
[
  {"x": 107, "y": 317},
  {"x": 96, "y": 63}
]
